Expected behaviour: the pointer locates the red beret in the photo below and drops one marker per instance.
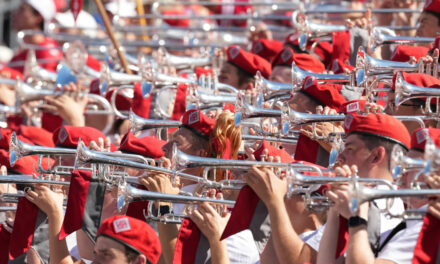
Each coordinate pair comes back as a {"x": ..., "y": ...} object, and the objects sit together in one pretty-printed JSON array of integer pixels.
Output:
[
  {"x": 353, "y": 106},
  {"x": 146, "y": 146},
  {"x": 323, "y": 49},
  {"x": 432, "y": 5},
  {"x": 5, "y": 137},
  {"x": 176, "y": 22},
  {"x": 10, "y": 73},
  {"x": 381, "y": 125},
  {"x": 266, "y": 48},
  {"x": 133, "y": 233},
  {"x": 122, "y": 102},
  {"x": 272, "y": 151},
  {"x": 248, "y": 62},
  {"x": 302, "y": 60},
  {"x": 327, "y": 94},
  {"x": 418, "y": 79},
  {"x": 198, "y": 122},
  {"x": 36, "y": 135},
  {"x": 404, "y": 52},
  {"x": 338, "y": 66},
  {"x": 68, "y": 136},
  {"x": 419, "y": 136}
]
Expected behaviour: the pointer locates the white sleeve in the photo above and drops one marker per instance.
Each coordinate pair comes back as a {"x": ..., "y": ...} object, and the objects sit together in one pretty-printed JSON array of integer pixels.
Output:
[
  {"x": 314, "y": 239},
  {"x": 400, "y": 249}
]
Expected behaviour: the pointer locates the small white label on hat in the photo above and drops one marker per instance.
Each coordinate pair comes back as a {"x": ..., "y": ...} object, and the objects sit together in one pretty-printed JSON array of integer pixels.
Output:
[
  {"x": 286, "y": 55},
  {"x": 353, "y": 107},
  {"x": 309, "y": 82},
  {"x": 233, "y": 52},
  {"x": 258, "y": 47},
  {"x": 348, "y": 120},
  {"x": 422, "y": 135},
  {"x": 428, "y": 3},
  {"x": 394, "y": 53},
  {"x": 121, "y": 225},
  {"x": 62, "y": 135},
  {"x": 335, "y": 66},
  {"x": 194, "y": 117}
]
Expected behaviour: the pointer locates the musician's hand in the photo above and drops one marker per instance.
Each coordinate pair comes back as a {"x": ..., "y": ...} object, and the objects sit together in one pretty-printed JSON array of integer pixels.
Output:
[
  {"x": 433, "y": 181},
  {"x": 266, "y": 185},
  {"x": 7, "y": 95},
  {"x": 160, "y": 183},
  {"x": 100, "y": 145},
  {"x": 209, "y": 221},
  {"x": 261, "y": 32},
  {"x": 69, "y": 106},
  {"x": 434, "y": 208},
  {"x": 339, "y": 193},
  {"x": 50, "y": 202},
  {"x": 323, "y": 129}
]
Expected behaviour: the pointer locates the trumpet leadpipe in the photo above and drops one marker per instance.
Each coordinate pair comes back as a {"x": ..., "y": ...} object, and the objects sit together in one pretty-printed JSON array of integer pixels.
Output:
[
  {"x": 361, "y": 194},
  {"x": 138, "y": 123},
  {"x": 8, "y": 208},
  {"x": 130, "y": 194},
  {"x": 29, "y": 179}
]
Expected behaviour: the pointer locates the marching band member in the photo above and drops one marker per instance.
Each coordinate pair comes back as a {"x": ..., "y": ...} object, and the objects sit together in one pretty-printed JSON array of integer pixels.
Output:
[{"x": 32, "y": 15}]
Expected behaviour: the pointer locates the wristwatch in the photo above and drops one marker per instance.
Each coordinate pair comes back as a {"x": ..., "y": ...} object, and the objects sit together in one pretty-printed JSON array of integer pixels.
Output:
[{"x": 356, "y": 221}]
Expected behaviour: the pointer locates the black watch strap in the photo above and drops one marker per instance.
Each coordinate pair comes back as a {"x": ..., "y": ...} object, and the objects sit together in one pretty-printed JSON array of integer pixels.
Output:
[
  {"x": 163, "y": 210},
  {"x": 356, "y": 221}
]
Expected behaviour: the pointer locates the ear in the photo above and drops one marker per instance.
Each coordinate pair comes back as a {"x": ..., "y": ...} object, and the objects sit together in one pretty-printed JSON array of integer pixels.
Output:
[
  {"x": 141, "y": 259},
  {"x": 378, "y": 155}
]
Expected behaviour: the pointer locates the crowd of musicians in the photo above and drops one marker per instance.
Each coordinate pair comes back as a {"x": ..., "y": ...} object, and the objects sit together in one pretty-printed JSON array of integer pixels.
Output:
[{"x": 315, "y": 144}]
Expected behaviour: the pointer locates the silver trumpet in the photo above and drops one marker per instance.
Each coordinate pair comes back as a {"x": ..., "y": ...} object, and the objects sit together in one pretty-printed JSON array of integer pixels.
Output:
[
  {"x": 183, "y": 62},
  {"x": 379, "y": 39},
  {"x": 405, "y": 91},
  {"x": 401, "y": 164},
  {"x": 298, "y": 76},
  {"x": 29, "y": 179},
  {"x": 138, "y": 123},
  {"x": 34, "y": 73},
  {"x": 361, "y": 194},
  {"x": 86, "y": 156},
  {"x": 19, "y": 149},
  {"x": 181, "y": 160},
  {"x": 129, "y": 194},
  {"x": 272, "y": 90}
]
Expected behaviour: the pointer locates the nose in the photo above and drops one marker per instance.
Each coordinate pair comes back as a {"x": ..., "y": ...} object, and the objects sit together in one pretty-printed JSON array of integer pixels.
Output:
[{"x": 167, "y": 149}]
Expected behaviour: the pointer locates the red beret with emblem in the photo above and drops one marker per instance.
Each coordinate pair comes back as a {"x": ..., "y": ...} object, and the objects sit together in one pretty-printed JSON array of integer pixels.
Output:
[
  {"x": 266, "y": 48},
  {"x": 302, "y": 60},
  {"x": 146, "y": 146},
  {"x": 36, "y": 135},
  {"x": 432, "y": 5},
  {"x": 272, "y": 151},
  {"x": 68, "y": 136},
  {"x": 328, "y": 94},
  {"x": 380, "y": 125},
  {"x": 420, "y": 135},
  {"x": 248, "y": 61},
  {"x": 403, "y": 53},
  {"x": 353, "y": 106},
  {"x": 339, "y": 67},
  {"x": 418, "y": 79},
  {"x": 198, "y": 122},
  {"x": 323, "y": 49},
  {"x": 133, "y": 233}
]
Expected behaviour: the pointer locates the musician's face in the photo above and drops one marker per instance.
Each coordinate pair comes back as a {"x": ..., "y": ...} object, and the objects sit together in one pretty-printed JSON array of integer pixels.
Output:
[
  {"x": 281, "y": 74},
  {"x": 184, "y": 140},
  {"x": 428, "y": 26},
  {"x": 24, "y": 17},
  {"x": 108, "y": 251},
  {"x": 229, "y": 75},
  {"x": 356, "y": 153}
]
